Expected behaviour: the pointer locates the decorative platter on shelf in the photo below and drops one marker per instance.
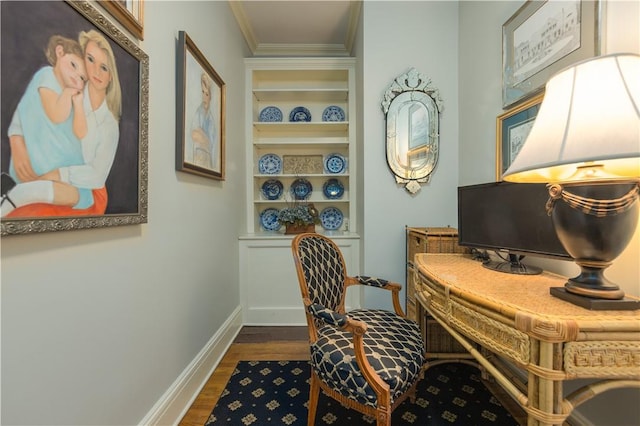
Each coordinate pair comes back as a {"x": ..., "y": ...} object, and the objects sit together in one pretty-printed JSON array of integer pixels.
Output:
[
  {"x": 302, "y": 164},
  {"x": 269, "y": 219},
  {"x": 270, "y": 114},
  {"x": 333, "y": 113},
  {"x": 300, "y": 114},
  {"x": 272, "y": 189},
  {"x": 270, "y": 164},
  {"x": 335, "y": 163},
  {"x": 301, "y": 189},
  {"x": 331, "y": 218},
  {"x": 333, "y": 189}
]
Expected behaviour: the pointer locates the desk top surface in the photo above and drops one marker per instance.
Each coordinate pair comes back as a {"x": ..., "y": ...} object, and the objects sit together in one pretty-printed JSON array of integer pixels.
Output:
[{"x": 499, "y": 291}]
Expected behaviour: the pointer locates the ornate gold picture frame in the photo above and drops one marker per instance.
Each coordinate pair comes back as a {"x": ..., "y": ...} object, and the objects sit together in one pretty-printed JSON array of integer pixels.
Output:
[{"x": 106, "y": 167}]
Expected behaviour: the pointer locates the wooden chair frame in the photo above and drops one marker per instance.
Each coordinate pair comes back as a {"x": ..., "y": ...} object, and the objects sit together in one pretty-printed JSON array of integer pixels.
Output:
[{"x": 382, "y": 412}]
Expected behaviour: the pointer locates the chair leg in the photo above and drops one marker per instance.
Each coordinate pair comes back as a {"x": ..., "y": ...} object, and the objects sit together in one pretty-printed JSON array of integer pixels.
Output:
[
  {"x": 314, "y": 394},
  {"x": 384, "y": 418}
]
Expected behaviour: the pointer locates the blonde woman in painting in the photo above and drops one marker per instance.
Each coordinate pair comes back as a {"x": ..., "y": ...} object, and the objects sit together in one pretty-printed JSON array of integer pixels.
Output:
[
  {"x": 102, "y": 105},
  {"x": 203, "y": 130}
]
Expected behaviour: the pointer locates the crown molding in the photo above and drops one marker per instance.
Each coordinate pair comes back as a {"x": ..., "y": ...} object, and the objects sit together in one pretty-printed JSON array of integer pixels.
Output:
[
  {"x": 298, "y": 49},
  {"x": 244, "y": 24}
]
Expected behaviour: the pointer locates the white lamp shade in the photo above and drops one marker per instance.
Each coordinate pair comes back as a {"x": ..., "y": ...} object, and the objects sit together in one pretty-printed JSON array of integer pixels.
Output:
[{"x": 588, "y": 126}]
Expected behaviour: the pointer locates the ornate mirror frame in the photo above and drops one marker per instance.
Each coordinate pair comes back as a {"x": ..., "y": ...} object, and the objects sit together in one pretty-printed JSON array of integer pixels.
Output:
[{"x": 412, "y": 108}]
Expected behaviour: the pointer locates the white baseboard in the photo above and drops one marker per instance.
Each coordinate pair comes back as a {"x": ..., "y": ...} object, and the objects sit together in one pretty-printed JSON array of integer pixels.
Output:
[{"x": 175, "y": 402}]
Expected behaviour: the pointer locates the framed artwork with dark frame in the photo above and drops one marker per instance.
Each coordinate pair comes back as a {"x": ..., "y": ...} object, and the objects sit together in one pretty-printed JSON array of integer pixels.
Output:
[
  {"x": 83, "y": 165},
  {"x": 129, "y": 13},
  {"x": 542, "y": 38},
  {"x": 200, "y": 113},
  {"x": 512, "y": 129}
]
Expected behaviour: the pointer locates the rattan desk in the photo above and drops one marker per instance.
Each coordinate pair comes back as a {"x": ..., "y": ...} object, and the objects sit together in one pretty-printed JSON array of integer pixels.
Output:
[{"x": 516, "y": 318}]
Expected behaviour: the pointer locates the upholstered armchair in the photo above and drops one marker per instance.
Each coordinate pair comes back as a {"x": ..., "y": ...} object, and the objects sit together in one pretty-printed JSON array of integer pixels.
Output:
[{"x": 369, "y": 360}]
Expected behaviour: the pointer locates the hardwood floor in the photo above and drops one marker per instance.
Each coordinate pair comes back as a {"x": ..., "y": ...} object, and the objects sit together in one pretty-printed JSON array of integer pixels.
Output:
[
  {"x": 251, "y": 344},
  {"x": 279, "y": 344}
]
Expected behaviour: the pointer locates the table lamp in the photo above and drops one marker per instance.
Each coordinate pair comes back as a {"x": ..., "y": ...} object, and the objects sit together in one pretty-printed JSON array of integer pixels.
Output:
[{"x": 585, "y": 144}]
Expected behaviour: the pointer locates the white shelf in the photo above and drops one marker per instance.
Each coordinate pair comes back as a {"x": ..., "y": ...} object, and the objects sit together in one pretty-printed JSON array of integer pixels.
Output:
[
  {"x": 287, "y": 83},
  {"x": 301, "y": 95}
]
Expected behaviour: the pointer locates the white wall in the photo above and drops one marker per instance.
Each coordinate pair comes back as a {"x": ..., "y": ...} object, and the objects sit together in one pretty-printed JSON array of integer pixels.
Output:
[
  {"x": 97, "y": 324},
  {"x": 480, "y": 104},
  {"x": 396, "y": 36}
]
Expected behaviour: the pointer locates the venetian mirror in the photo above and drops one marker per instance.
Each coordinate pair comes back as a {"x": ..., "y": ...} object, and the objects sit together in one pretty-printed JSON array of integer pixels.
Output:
[{"x": 412, "y": 109}]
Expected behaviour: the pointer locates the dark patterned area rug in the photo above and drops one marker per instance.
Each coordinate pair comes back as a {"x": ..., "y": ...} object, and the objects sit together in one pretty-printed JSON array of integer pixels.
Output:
[{"x": 276, "y": 393}]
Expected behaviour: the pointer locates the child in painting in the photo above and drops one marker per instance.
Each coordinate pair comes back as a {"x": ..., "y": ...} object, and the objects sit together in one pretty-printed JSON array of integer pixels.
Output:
[
  {"x": 48, "y": 125},
  {"x": 203, "y": 131},
  {"x": 78, "y": 186}
]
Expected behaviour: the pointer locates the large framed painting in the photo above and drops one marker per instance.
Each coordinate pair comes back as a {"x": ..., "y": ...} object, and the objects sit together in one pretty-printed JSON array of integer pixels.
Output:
[
  {"x": 129, "y": 13},
  {"x": 512, "y": 129},
  {"x": 200, "y": 113},
  {"x": 542, "y": 38},
  {"x": 73, "y": 120}
]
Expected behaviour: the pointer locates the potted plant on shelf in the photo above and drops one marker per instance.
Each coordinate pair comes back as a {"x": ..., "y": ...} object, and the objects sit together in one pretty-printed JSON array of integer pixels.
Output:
[{"x": 299, "y": 217}]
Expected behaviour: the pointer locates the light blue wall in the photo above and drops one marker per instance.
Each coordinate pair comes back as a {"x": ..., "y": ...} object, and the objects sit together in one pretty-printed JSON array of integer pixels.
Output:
[
  {"x": 97, "y": 324},
  {"x": 396, "y": 36}
]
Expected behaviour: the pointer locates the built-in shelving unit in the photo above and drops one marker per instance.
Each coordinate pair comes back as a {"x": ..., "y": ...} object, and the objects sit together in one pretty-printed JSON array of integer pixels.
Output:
[
  {"x": 269, "y": 289},
  {"x": 315, "y": 84}
]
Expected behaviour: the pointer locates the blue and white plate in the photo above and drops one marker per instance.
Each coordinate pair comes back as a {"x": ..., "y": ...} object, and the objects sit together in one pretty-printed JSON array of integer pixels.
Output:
[
  {"x": 333, "y": 113},
  {"x": 269, "y": 219},
  {"x": 335, "y": 163},
  {"x": 299, "y": 114},
  {"x": 301, "y": 189},
  {"x": 333, "y": 189},
  {"x": 331, "y": 218},
  {"x": 270, "y": 164},
  {"x": 270, "y": 114},
  {"x": 272, "y": 189}
]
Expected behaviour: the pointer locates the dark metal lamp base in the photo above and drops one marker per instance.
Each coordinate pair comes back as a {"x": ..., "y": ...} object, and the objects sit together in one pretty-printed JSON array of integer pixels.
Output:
[{"x": 625, "y": 304}]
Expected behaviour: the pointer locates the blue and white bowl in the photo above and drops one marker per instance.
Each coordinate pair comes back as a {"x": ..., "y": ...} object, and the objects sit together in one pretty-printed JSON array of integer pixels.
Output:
[
  {"x": 333, "y": 189},
  {"x": 269, "y": 219},
  {"x": 301, "y": 189},
  {"x": 272, "y": 189},
  {"x": 335, "y": 163},
  {"x": 333, "y": 113},
  {"x": 331, "y": 218},
  {"x": 300, "y": 114},
  {"x": 270, "y": 164},
  {"x": 270, "y": 114}
]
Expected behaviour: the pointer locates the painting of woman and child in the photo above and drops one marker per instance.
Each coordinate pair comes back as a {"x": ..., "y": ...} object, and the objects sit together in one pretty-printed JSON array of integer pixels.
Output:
[{"x": 70, "y": 120}]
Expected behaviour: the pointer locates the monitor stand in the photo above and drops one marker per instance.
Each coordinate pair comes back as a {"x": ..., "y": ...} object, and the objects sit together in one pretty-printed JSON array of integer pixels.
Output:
[{"x": 512, "y": 266}]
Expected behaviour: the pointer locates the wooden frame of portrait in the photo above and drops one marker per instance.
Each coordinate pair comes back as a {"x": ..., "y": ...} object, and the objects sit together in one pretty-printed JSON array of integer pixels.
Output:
[
  {"x": 200, "y": 122},
  {"x": 129, "y": 13},
  {"x": 126, "y": 183},
  {"x": 512, "y": 129},
  {"x": 542, "y": 38}
]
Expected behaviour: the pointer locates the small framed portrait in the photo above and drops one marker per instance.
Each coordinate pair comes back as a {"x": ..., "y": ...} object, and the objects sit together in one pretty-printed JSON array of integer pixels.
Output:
[
  {"x": 542, "y": 38},
  {"x": 74, "y": 119},
  {"x": 200, "y": 113},
  {"x": 512, "y": 129}
]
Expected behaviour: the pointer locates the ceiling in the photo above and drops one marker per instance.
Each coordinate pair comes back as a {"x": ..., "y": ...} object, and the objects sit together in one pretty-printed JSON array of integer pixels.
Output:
[{"x": 298, "y": 27}]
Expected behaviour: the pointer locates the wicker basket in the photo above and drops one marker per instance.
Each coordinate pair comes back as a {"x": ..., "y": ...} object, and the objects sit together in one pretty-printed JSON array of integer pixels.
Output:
[{"x": 430, "y": 240}]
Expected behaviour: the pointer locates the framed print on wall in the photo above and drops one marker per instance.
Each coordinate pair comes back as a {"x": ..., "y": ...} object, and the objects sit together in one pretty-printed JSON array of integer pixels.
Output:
[
  {"x": 200, "y": 113},
  {"x": 512, "y": 129},
  {"x": 56, "y": 176},
  {"x": 129, "y": 13},
  {"x": 542, "y": 38}
]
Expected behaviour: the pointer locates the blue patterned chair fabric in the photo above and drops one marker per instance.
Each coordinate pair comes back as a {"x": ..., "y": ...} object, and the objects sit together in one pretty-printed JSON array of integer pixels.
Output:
[
  {"x": 371, "y": 281},
  {"x": 393, "y": 346},
  {"x": 390, "y": 344}
]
